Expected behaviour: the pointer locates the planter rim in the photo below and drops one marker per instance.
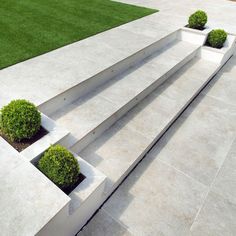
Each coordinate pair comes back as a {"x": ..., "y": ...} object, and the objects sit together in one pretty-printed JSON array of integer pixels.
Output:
[
  {"x": 227, "y": 45},
  {"x": 55, "y": 134},
  {"x": 93, "y": 179},
  {"x": 196, "y": 31}
]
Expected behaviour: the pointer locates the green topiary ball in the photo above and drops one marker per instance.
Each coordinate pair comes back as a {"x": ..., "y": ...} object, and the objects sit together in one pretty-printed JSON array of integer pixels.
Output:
[
  {"x": 19, "y": 120},
  {"x": 216, "y": 38},
  {"x": 197, "y": 20},
  {"x": 59, "y": 165}
]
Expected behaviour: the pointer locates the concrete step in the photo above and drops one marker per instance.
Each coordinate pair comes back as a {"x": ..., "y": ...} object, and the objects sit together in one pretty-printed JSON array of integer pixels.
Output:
[
  {"x": 88, "y": 117},
  {"x": 121, "y": 147},
  {"x": 84, "y": 74}
]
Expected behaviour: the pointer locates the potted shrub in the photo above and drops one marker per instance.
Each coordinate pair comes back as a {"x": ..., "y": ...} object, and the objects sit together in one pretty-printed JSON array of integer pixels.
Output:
[
  {"x": 216, "y": 38},
  {"x": 196, "y": 31},
  {"x": 20, "y": 123},
  {"x": 197, "y": 20},
  {"x": 61, "y": 167},
  {"x": 83, "y": 184}
]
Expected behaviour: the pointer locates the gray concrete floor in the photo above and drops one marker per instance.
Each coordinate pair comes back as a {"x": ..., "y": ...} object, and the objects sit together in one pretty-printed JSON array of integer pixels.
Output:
[{"x": 186, "y": 185}]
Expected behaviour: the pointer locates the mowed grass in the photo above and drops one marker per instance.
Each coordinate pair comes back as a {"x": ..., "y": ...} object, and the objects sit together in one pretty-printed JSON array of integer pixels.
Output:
[{"x": 33, "y": 27}]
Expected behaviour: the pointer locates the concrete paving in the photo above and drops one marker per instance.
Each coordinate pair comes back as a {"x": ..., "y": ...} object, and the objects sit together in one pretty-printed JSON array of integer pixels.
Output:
[
  {"x": 186, "y": 184},
  {"x": 221, "y": 13},
  {"x": 189, "y": 187}
]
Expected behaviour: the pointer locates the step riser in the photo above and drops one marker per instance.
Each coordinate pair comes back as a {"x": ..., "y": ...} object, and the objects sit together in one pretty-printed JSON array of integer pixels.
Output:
[
  {"x": 170, "y": 123},
  {"x": 92, "y": 83},
  {"x": 95, "y": 133}
]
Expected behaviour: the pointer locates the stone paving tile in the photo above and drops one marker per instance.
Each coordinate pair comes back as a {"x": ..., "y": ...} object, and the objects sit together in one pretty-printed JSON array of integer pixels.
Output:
[
  {"x": 180, "y": 10},
  {"x": 103, "y": 225},
  {"x": 225, "y": 182},
  {"x": 192, "y": 145},
  {"x": 84, "y": 115},
  {"x": 28, "y": 200},
  {"x": 9, "y": 158},
  {"x": 223, "y": 86},
  {"x": 216, "y": 218},
  {"x": 111, "y": 155},
  {"x": 156, "y": 200}
]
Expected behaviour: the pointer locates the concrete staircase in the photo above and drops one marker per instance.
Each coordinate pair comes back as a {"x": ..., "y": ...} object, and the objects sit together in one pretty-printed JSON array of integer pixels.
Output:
[
  {"x": 116, "y": 116},
  {"x": 89, "y": 115},
  {"x": 123, "y": 145}
]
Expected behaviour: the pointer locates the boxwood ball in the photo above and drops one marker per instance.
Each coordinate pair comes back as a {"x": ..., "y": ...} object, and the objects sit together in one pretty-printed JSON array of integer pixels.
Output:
[
  {"x": 197, "y": 20},
  {"x": 59, "y": 165},
  {"x": 217, "y": 38},
  {"x": 20, "y": 119}
]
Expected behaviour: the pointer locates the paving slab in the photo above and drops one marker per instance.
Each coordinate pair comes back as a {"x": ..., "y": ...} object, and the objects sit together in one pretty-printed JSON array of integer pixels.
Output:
[
  {"x": 84, "y": 115},
  {"x": 217, "y": 217},
  {"x": 195, "y": 140},
  {"x": 223, "y": 87},
  {"x": 225, "y": 182},
  {"x": 103, "y": 224},
  {"x": 27, "y": 200},
  {"x": 156, "y": 199},
  {"x": 180, "y": 11},
  {"x": 111, "y": 155},
  {"x": 10, "y": 158}
]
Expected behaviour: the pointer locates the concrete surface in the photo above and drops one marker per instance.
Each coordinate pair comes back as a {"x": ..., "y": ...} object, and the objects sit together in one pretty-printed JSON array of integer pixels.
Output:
[
  {"x": 191, "y": 193},
  {"x": 186, "y": 184},
  {"x": 87, "y": 113},
  {"x": 118, "y": 148}
]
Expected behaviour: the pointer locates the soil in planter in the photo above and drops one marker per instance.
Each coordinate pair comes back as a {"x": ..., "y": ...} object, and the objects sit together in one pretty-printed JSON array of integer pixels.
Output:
[
  {"x": 201, "y": 29},
  {"x": 68, "y": 190},
  {"x": 208, "y": 45},
  {"x": 20, "y": 146}
]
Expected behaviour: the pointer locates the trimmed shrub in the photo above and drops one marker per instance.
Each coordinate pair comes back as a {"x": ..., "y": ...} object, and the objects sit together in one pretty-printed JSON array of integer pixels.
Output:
[
  {"x": 19, "y": 120},
  {"x": 216, "y": 38},
  {"x": 197, "y": 20},
  {"x": 59, "y": 165}
]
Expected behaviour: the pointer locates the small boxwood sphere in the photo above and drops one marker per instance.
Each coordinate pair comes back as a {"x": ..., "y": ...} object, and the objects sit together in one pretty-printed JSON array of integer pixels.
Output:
[
  {"x": 20, "y": 120},
  {"x": 59, "y": 165},
  {"x": 216, "y": 38},
  {"x": 197, "y": 20}
]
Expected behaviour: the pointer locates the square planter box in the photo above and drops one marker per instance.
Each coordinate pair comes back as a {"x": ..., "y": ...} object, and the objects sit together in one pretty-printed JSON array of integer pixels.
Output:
[
  {"x": 194, "y": 36},
  {"x": 221, "y": 55},
  {"x": 86, "y": 198},
  {"x": 55, "y": 135}
]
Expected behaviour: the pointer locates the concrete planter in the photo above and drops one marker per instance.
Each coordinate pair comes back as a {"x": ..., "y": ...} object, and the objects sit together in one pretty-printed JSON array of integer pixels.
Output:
[
  {"x": 215, "y": 55},
  {"x": 194, "y": 36},
  {"x": 82, "y": 202},
  {"x": 55, "y": 134},
  {"x": 220, "y": 55},
  {"x": 85, "y": 199}
]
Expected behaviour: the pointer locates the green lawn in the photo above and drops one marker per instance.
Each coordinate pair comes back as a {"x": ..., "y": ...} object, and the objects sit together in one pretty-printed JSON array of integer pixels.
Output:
[{"x": 33, "y": 27}]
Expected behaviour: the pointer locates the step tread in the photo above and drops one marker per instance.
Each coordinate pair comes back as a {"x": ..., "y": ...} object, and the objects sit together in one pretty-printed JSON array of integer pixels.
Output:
[
  {"x": 115, "y": 151},
  {"x": 85, "y": 114}
]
